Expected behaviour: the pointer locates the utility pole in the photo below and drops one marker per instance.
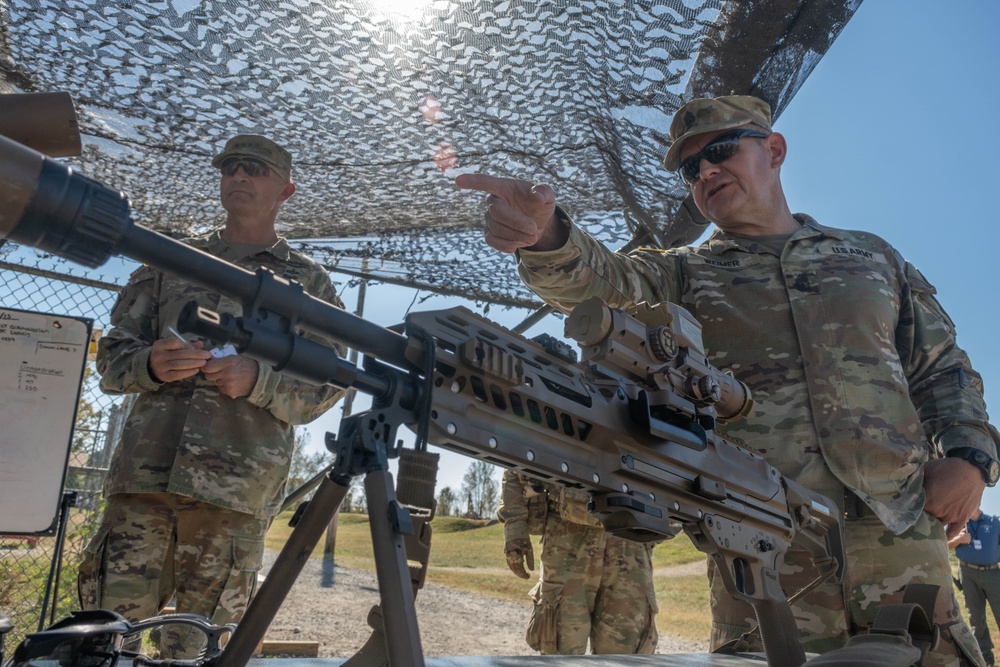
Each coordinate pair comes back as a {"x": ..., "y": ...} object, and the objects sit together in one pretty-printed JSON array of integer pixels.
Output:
[{"x": 352, "y": 356}]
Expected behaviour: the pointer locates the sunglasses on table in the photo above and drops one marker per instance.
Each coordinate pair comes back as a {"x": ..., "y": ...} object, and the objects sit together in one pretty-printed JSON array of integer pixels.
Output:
[
  {"x": 251, "y": 167},
  {"x": 719, "y": 150}
]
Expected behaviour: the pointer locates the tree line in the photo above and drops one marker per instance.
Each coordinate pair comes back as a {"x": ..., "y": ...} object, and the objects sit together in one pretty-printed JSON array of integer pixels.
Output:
[{"x": 477, "y": 498}]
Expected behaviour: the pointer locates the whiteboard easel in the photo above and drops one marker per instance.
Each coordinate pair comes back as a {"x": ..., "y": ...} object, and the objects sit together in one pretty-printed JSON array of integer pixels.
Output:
[{"x": 42, "y": 358}]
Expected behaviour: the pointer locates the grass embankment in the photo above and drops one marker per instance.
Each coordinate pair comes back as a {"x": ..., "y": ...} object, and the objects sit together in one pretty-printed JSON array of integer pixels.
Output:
[{"x": 468, "y": 555}]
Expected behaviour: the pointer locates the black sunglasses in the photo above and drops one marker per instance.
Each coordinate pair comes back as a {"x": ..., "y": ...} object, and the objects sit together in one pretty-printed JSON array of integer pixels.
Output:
[
  {"x": 719, "y": 150},
  {"x": 251, "y": 167}
]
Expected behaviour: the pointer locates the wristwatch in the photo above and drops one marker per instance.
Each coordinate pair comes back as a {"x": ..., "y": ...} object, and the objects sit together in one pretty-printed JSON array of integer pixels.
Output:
[{"x": 989, "y": 466}]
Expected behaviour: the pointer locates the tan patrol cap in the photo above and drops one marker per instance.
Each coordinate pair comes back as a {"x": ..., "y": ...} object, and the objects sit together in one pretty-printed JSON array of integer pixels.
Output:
[
  {"x": 710, "y": 114},
  {"x": 259, "y": 148}
]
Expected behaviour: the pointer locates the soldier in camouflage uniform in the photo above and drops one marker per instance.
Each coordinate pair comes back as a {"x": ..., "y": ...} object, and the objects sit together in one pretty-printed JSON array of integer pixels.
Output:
[
  {"x": 591, "y": 585},
  {"x": 861, "y": 391},
  {"x": 204, "y": 454}
]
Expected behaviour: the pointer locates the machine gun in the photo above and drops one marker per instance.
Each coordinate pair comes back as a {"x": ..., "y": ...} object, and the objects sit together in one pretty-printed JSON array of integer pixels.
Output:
[{"x": 634, "y": 425}]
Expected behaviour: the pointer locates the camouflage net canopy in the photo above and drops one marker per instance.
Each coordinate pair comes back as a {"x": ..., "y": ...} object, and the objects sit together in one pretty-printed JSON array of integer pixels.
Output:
[{"x": 384, "y": 103}]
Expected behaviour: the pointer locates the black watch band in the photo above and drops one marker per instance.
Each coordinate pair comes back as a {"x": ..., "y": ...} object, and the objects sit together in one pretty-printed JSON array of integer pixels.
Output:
[{"x": 988, "y": 465}]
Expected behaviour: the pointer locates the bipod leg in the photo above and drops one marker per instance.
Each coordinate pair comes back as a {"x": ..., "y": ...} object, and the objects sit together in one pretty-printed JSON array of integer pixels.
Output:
[
  {"x": 389, "y": 522},
  {"x": 415, "y": 491},
  {"x": 284, "y": 572}
]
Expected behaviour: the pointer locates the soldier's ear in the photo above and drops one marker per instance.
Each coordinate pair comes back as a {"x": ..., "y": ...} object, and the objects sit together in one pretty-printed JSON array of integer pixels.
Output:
[
  {"x": 287, "y": 191},
  {"x": 778, "y": 149}
]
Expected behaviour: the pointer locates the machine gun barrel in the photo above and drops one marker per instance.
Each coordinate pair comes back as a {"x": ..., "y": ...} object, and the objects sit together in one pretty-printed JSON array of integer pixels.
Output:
[{"x": 51, "y": 207}]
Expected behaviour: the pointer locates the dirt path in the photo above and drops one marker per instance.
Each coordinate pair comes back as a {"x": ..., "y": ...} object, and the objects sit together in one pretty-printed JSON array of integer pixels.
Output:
[{"x": 330, "y": 606}]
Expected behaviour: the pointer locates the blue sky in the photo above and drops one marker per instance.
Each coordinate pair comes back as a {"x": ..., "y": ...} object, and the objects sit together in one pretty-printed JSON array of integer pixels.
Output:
[{"x": 890, "y": 134}]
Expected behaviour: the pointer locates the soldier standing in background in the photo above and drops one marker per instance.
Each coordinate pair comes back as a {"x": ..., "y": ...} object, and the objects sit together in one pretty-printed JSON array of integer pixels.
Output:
[
  {"x": 204, "y": 455},
  {"x": 591, "y": 586},
  {"x": 861, "y": 392},
  {"x": 978, "y": 551}
]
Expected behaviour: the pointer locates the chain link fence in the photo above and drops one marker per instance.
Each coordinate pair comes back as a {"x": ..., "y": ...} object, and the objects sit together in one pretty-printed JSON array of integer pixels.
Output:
[
  {"x": 34, "y": 282},
  {"x": 28, "y": 562}
]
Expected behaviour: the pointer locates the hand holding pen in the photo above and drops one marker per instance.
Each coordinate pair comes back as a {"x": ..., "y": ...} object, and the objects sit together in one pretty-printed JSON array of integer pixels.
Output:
[
  {"x": 175, "y": 358},
  {"x": 233, "y": 375}
]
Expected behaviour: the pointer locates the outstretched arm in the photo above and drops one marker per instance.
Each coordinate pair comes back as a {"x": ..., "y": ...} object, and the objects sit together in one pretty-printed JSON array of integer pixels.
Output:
[{"x": 519, "y": 214}]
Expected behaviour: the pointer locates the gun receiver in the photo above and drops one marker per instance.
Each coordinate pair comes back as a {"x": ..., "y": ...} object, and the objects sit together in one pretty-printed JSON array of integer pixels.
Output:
[
  {"x": 633, "y": 425},
  {"x": 505, "y": 399}
]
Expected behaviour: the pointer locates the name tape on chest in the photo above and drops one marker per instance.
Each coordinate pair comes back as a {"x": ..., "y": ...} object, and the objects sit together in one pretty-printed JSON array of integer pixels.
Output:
[
  {"x": 735, "y": 263},
  {"x": 859, "y": 253},
  {"x": 746, "y": 260}
]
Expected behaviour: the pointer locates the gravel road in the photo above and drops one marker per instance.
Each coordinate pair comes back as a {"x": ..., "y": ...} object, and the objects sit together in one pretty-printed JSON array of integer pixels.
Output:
[{"x": 330, "y": 605}]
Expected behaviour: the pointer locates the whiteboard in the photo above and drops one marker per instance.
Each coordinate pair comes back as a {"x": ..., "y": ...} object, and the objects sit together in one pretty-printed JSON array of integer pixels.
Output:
[{"x": 41, "y": 370}]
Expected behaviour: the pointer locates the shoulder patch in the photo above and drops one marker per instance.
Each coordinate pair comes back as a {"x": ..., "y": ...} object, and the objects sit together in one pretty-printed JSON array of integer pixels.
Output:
[{"x": 918, "y": 283}]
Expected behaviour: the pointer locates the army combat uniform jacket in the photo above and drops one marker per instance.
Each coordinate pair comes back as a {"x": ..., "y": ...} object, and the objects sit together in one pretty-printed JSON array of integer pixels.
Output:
[
  {"x": 852, "y": 363},
  {"x": 186, "y": 437}
]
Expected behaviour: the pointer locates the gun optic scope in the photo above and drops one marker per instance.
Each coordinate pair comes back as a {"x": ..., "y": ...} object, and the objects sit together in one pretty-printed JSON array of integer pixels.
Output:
[{"x": 658, "y": 347}]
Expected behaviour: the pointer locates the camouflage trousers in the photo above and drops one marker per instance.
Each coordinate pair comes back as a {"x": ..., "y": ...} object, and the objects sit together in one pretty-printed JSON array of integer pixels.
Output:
[
  {"x": 980, "y": 587},
  {"x": 879, "y": 566},
  {"x": 592, "y": 587},
  {"x": 152, "y": 547}
]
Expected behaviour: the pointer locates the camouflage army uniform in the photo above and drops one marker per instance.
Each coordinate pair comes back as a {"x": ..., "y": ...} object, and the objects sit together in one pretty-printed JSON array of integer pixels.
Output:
[
  {"x": 857, "y": 380},
  {"x": 591, "y": 585},
  {"x": 197, "y": 475}
]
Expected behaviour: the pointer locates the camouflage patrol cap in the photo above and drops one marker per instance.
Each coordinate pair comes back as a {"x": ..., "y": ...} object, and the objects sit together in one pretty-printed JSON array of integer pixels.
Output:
[
  {"x": 710, "y": 114},
  {"x": 259, "y": 148}
]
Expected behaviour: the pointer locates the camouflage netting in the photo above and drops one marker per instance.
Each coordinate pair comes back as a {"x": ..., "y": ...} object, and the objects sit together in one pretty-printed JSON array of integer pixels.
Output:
[{"x": 383, "y": 103}]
